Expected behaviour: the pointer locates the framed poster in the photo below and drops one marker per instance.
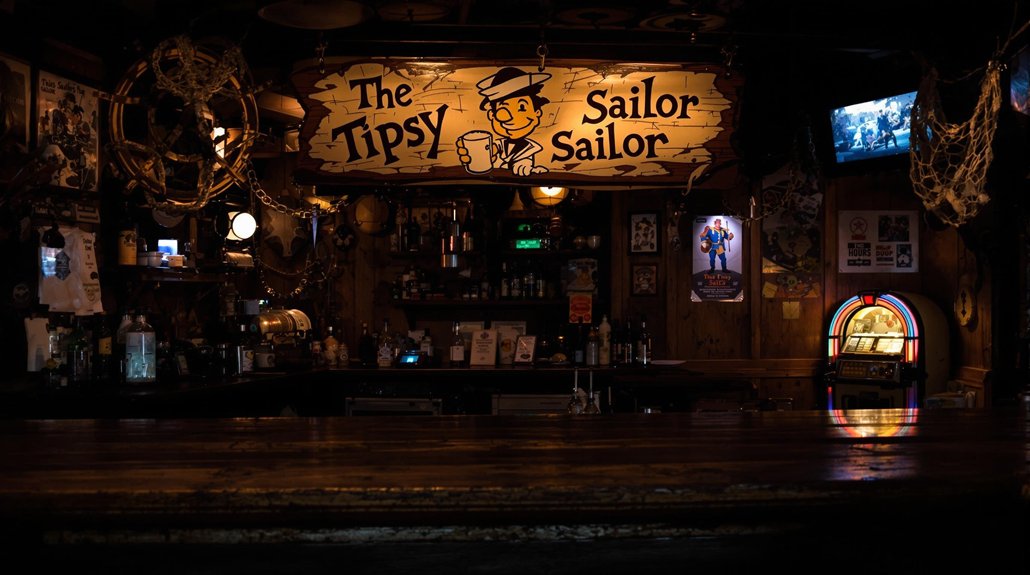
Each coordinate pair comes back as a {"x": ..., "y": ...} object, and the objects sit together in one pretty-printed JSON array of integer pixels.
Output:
[
  {"x": 15, "y": 103},
  {"x": 643, "y": 233},
  {"x": 580, "y": 275},
  {"x": 645, "y": 279},
  {"x": 878, "y": 241},
  {"x": 67, "y": 114},
  {"x": 717, "y": 260}
]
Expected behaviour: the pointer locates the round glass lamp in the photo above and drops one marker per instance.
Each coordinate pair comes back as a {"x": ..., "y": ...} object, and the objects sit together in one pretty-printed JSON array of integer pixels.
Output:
[
  {"x": 242, "y": 226},
  {"x": 549, "y": 196}
]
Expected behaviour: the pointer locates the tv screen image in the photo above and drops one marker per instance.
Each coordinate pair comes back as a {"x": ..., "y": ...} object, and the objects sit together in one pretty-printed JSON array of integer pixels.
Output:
[
  {"x": 872, "y": 129},
  {"x": 1019, "y": 81}
]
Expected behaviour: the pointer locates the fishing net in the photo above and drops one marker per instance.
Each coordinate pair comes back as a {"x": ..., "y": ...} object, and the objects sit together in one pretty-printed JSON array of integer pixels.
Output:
[{"x": 950, "y": 161}]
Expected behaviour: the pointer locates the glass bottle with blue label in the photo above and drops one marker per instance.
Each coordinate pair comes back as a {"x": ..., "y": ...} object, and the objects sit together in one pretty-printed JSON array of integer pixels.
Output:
[{"x": 140, "y": 352}]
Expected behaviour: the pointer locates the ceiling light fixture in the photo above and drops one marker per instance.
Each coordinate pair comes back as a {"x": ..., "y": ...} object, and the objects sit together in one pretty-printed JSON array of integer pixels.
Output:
[
  {"x": 549, "y": 196},
  {"x": 316, "y": 14}
]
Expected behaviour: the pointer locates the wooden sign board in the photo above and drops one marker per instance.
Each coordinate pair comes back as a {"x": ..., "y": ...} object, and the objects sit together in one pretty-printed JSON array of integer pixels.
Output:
[{"x": 409, "y": 121}]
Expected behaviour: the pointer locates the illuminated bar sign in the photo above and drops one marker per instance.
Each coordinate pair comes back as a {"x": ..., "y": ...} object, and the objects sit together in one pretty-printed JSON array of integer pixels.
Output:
[{"x": 610, "y": 124}]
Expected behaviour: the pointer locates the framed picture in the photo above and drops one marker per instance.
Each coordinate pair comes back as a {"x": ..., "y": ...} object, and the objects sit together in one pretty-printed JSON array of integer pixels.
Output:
[
  {"x": 15, "y": 103},
  {"x": 643, "y": 233},
  {"x": 645, "y": 279},
  {"x": 525, "y": 347},
  {"x": 67, "y": 122}
]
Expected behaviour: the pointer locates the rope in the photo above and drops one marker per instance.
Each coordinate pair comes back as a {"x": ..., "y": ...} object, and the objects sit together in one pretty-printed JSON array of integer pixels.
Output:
[{"x": 949, "y": 162}]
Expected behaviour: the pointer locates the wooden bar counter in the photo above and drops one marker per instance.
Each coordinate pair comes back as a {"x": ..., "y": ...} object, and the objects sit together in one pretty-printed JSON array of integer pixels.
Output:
[{"x": 556, "y": 493}]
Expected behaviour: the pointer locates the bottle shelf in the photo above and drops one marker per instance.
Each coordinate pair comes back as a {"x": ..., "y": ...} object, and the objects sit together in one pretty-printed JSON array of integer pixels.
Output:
[
  {"x": 499, "y": 303},
  {"x": 185, "y": 275},
  {"x": 571, "y": 254}
]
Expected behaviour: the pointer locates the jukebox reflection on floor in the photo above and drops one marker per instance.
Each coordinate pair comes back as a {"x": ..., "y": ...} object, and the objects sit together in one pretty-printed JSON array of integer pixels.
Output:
[{"x": 886, "y": 350}]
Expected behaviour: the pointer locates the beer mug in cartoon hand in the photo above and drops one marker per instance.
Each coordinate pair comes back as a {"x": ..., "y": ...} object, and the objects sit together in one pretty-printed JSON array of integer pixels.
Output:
[{"x": 475, "y": 151}]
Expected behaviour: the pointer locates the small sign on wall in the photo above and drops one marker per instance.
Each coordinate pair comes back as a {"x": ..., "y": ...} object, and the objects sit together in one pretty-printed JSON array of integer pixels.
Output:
[{"x": 878, "y": 241}]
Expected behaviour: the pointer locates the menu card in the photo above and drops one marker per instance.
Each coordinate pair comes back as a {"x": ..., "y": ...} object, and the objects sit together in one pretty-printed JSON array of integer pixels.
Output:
[{"x": 484, "y": 347}]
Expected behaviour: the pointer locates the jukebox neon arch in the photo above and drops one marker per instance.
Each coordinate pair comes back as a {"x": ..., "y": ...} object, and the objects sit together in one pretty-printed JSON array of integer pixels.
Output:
[{"x": 886, "y": 350}]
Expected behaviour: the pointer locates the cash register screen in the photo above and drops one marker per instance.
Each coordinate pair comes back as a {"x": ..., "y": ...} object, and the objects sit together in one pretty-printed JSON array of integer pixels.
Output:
[{"x": 409, "y": 358}]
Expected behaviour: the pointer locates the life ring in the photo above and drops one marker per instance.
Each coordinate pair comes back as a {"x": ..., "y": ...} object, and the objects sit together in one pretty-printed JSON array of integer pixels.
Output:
[{"x": 374, "y": 215}]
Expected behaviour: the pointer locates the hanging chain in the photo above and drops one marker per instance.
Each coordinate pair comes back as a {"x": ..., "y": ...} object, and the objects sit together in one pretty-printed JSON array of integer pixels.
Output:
[
  {"x": 313, "y": 272},
  {"x": 269, "y": 201},
  {"x": 320, "y": 51}
]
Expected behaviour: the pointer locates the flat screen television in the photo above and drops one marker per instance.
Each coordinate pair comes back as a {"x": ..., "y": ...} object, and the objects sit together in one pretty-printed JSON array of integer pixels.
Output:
[
  {"x": 871, "y": 129},
  {"x": 1019, "y": 81}
]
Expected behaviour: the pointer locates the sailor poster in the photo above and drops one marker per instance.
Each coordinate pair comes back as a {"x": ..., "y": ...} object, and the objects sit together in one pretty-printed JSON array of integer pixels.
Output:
[
  {"x": 717, "y": 261},
  {"x": 878, "y": 241},
  {"x": 67, "y": 115}
]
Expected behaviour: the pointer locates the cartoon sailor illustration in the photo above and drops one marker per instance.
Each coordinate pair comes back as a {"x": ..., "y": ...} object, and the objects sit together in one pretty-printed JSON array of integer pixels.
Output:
[{"x": 512, "y": 101}]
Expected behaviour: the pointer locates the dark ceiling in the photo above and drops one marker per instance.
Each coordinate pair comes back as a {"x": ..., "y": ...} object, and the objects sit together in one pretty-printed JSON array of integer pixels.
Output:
[{"x": 777, "y": 34}]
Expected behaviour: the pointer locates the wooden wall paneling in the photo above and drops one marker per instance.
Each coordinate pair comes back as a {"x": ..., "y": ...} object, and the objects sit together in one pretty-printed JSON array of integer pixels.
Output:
[
  {"x": 364, "y": 283},
  {"x": 830, "y": 273},
  {"x": 620, "y": 261},
  {"x": 786, "y": 338},
  {"x": 674, "y": 277},
  {"x": 753, "y": 290}
]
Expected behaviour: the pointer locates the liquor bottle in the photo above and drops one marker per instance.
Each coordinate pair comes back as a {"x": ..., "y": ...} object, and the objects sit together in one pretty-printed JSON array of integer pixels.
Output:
[
  {"x": 79, "y": 353},
  {"x": 628, "y": 345},
  {"x": 426, "y": 345},
  {"x": 397, "y": 288},
  {"x": 616, "y": 346},
  {"x": 412, "y": 233},
  {"x": 505, "y": 287},
  {"x": 470, "y": 232},
  {"x": 604, "y": 332},
  {"x": 528, "y": 282},
  {"x": 457, "y": 355},
  {"x": 103, "y": 350},
  {"x": 386, "y": 351},
  {"x": 245, "y": 349},
  {"x": 123, "y": 328},
  {"x": 140, "y": 352},
  {"x": 579, "y": 344},
  {"x": 593, "y": 348},
  {"x": 331, "y": 348},
  {"x": 366, "y": 347},
  {"x": 314, "y": 350},
  {"x": 515, "y": 289},
  {"x": 127, "y": 239},
  {"x": 644, "y": 344},
  {"x": 485, "y": 289}
]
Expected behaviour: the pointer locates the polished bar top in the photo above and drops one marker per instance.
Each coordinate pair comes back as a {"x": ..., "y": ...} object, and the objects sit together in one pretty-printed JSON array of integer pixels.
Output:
[{"x": 453, "y": 479}]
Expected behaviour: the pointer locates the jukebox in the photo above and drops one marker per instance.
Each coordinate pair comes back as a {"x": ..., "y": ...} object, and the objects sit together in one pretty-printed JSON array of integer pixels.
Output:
[{"x": 886, "y": 350}]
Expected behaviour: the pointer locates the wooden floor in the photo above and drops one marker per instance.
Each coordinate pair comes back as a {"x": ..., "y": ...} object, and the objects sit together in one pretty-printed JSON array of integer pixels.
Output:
[{"x": 493, "y": 494}]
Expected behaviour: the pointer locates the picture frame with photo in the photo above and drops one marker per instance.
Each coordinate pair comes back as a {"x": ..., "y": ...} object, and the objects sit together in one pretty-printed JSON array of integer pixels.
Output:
[
  {"x": 644, "y": 279},
  {"x": 16, "y": 84},
  {"x": 644, "y": 233}
]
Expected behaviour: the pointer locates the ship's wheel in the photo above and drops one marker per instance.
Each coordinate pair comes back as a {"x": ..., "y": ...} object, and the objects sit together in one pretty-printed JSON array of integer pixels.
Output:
[{"x": 182, "y": 122}]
